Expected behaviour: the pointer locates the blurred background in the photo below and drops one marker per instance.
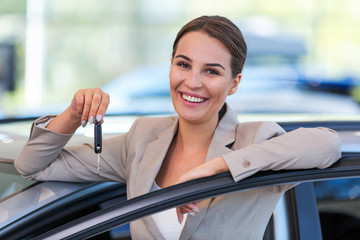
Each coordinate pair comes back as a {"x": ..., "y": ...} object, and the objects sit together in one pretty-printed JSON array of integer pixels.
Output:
[{"x": 303, "y": 55}]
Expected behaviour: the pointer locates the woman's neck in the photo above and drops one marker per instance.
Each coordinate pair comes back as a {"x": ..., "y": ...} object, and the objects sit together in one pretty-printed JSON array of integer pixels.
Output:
[
  {"x": 195, "y": 136},
  {"x": 187, "y": 151}
]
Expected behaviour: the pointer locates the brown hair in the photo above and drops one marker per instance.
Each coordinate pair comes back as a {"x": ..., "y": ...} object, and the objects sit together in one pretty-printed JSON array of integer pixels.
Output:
[{"x": 225, "y": 31}]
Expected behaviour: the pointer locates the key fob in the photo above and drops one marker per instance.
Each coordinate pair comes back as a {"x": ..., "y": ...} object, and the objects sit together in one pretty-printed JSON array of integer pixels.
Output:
[{"x": 97, "y": 138}]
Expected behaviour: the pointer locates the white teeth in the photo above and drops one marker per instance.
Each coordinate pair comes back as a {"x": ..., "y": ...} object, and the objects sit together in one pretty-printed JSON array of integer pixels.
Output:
[{"x": 192, "y": 99}]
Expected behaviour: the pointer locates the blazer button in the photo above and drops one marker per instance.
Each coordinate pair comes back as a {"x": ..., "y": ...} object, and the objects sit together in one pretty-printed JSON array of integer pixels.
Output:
[{"x": 246, "y": 164}]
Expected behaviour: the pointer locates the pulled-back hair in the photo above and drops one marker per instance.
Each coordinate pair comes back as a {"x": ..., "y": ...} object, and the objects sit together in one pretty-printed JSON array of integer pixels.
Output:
[{"x": 225, "y": 31}]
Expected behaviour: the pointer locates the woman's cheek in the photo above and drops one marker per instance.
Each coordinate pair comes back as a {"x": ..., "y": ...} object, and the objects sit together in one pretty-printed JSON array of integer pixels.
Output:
[{"x": 176, "y": 77}]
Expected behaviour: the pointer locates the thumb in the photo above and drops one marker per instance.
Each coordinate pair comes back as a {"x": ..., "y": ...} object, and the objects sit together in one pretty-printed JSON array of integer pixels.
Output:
[{"x": 179, "y": 214}]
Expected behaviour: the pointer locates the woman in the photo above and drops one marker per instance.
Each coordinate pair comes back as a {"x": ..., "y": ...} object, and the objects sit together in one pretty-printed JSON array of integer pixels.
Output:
[{"x": 205, "y": 139}]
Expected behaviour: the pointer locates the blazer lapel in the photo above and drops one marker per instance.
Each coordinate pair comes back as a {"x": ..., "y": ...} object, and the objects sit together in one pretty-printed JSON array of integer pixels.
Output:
[
  {"x": 153, "y": 157},
  {"x": 224, "y": 135}
]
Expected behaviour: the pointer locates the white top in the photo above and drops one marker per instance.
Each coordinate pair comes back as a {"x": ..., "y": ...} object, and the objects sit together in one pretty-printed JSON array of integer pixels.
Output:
[{"x": 167, "y": 221}]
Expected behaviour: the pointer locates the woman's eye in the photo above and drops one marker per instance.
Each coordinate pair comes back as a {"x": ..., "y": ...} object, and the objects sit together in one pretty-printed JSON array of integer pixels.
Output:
[
  {"x": 183, "y": 65},
  {"x": 212, "y": 72}
]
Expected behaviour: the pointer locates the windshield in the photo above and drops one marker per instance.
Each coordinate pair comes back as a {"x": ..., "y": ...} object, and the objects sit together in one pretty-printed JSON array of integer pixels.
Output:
[
  {"x": 11, "y": 181},
  {"x": 302, "y": 57}
]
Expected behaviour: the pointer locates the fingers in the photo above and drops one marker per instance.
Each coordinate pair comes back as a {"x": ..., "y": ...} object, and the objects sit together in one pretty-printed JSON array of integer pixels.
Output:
[
  {"x": 90, "y": 104},
  {"x": 104, "y": 104},
  {"x": 84, "y": 105},
  {"x": 73, "y": 108},
  {"x": 190, "y": 208}
]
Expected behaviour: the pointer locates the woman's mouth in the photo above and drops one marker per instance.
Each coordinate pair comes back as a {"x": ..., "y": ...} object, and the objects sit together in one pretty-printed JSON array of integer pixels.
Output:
[{"x": 192, "y": 99}]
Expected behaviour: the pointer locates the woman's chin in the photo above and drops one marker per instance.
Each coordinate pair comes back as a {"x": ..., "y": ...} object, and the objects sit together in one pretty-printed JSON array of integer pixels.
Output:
[{"x": 194, "y": 117}]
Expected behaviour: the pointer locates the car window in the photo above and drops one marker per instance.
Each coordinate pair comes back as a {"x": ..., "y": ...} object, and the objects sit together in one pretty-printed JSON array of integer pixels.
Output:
[
  {"x": 119, "y": 233},
  {"x": 10, "y": 180},
  {"x": 52, "y": 204},
  {"x": 339, "y": 208}
]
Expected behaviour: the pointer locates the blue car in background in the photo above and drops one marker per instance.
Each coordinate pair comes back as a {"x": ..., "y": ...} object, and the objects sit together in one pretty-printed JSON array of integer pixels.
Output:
[{"x": 262, "y": 90}]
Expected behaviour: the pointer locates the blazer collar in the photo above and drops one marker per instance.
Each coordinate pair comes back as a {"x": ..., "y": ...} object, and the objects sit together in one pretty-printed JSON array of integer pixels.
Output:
[
  {"x": 224, "y": 134},
  {"x": 156, "y": 150}
]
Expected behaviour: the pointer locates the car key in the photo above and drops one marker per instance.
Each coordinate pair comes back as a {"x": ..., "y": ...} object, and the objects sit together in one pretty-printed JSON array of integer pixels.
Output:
[{"x": 98, "y": 143}]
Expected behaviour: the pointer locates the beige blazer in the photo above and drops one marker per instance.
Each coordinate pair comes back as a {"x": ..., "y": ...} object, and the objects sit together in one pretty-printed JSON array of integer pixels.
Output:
[{"x": 136, "y": 157}]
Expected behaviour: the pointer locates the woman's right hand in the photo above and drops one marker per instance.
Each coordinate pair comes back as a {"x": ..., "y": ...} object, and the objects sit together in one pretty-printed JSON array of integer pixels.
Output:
[
  {"x": 86, "y": 106},
  {"x": 89, "y": 105}
]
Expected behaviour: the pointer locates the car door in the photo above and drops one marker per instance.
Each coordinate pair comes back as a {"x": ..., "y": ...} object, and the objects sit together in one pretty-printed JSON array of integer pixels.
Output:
[{"x": 297, "y": 209}]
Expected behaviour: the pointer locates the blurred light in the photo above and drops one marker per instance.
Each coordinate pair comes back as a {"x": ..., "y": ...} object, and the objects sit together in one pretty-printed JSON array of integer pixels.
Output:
[
  {"x": 34, "y": 73},
  {"x": 357, "y": 133},
  {"x": 289, "y": 77},
  {"x": 354, "y": 192},
  {"x": 262, "y": 26},
  {"x": 45, "y": 194},
  {"x": 5, "y": 138},
  {"x": 9, "y": 140}
]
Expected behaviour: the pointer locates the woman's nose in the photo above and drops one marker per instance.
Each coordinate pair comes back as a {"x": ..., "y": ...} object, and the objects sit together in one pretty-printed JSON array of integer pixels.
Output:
[{"x": 193, "y": 81}]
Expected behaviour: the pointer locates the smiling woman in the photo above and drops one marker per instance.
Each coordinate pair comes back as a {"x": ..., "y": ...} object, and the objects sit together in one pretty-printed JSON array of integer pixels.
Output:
[
  {"x": 201, "y": 77},
  {"x": 204, "y": 139}
]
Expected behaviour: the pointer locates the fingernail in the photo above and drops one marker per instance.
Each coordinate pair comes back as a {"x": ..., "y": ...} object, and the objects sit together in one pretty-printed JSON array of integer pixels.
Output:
[
  {"x": 98, "y": 118},
  {"x": 91, "y": 119},
  {"x": 191, "y": 214},
  {"x": 195, "y": 210},
  {"x": 83, "y": 124}
]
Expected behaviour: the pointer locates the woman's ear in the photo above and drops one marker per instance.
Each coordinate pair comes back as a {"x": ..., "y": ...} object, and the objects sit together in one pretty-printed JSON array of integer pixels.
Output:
[{"x": 236, "y": 82}]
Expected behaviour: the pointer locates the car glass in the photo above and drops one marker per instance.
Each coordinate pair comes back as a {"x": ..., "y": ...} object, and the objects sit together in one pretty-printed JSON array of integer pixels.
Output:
[
  {"x": 33, "y": 198},
  {"x": 11, "y": 181},
  {"x": 339, "y": 208}
]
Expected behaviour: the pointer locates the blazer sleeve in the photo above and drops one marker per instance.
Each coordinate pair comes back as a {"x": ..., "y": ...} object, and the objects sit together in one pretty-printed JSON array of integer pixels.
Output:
[
  {"x": 273, "y": 149},
  {"x": 45, "y": 157}
]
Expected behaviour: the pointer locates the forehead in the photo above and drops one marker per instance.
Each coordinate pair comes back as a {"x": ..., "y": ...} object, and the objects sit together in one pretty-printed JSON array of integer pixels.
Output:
[{"x": 199, "y": 46}]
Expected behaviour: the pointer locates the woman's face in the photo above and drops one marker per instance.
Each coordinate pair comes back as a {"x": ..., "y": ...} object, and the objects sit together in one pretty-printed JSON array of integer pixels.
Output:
[{"x": 200, "y": 77}]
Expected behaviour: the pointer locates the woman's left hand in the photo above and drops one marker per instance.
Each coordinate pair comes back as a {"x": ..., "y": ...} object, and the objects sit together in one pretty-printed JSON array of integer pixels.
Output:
[{"x": 212, "y": 167}]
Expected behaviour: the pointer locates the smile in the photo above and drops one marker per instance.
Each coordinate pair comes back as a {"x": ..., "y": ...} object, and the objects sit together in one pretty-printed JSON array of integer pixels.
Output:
[{"x": 192, "y": 99}]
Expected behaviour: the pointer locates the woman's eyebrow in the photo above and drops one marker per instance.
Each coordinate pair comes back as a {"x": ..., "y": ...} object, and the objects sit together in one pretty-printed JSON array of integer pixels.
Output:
[
  {"x": 208, "y": 64},
  {"x": 184, "y": 57},
  {"x": 214, "y": 65}
]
